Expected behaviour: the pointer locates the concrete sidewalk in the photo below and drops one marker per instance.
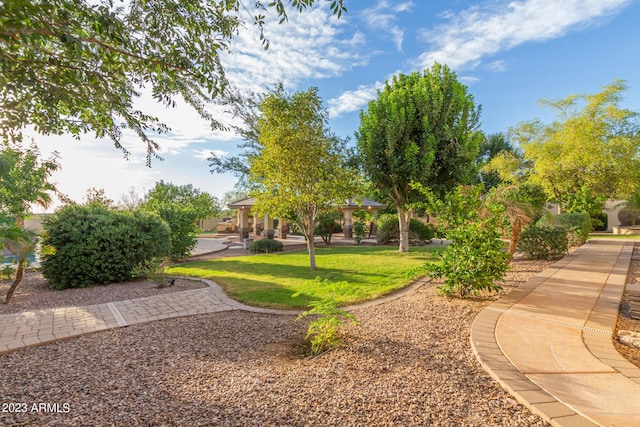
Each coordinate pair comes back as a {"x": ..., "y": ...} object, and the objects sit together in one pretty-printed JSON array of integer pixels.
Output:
[{"x": 549, "y": 342}]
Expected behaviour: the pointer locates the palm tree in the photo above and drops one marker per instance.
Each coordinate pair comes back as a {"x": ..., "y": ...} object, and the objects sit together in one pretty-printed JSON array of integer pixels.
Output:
[
  {"x": 524, "y": 203},
  {"x": 22, "y": 247}
]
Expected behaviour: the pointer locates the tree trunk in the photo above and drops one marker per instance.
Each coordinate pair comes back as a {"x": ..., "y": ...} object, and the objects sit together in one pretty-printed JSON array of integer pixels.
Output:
[
  {"x": 16, "y": 281},
  {"x": 312, "y": 252},
  {"x": 516, "y": 229},
  {"x": 403, "y": 215}
]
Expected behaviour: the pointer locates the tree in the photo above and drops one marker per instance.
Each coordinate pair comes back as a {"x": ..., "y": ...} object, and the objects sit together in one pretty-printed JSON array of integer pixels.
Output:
[
  {"x": 523, "y": 204},
  {"x": 491, "y": 146},
  {"x": 422, "y": 128},
  {"x": 301, "y": 169},
  {"x": 22, "y": 246},
  {"x": 24, "y": 179},
  {"x": 590, "y": 154},
  {"x": 181, "y": 206},
  {"x": 77, "y": 66}
]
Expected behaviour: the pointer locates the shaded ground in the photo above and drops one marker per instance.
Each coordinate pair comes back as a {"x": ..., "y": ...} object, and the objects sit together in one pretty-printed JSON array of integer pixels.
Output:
[{"x": 625, "y": 322}]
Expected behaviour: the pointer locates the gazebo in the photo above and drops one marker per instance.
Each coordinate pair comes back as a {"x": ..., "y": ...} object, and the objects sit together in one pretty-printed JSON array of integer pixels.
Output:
[{"x": 244, "y": 211}]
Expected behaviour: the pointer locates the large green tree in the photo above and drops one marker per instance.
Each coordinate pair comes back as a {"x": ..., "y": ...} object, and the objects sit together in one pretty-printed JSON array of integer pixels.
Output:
[
  {"x": 591, "y": 153},
  {"x": 77, "y": 66},
  {"x": 181, "y": 206},
  {"x": 301, "y": 168},
  {"x": 422, "y": 128}
]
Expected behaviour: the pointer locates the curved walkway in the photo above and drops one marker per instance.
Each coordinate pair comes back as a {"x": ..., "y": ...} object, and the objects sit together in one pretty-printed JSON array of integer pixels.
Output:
[{"x": 549, "y": 342}]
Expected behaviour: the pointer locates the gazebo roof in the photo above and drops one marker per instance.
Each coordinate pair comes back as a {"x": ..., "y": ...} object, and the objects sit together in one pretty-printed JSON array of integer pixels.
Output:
[{"x": 350, "y": 203}]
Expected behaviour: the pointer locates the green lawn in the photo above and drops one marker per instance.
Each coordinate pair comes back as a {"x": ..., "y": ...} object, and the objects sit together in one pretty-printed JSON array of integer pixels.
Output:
[{"x": 271, "y": 280}]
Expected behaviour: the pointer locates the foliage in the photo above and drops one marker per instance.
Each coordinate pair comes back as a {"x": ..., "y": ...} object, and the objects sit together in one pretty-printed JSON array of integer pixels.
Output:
[
  {"x": 422, "y": 128},
  {"x": 24, "y": 179},
  {"x": 544, "y": 242},
  {"x": 577, "y": 226},
  {"x": 630, "y": 213},
  {"x": 77, "y": 66},
  {"x": 181, "y": 206},
  {"x": 97, "y": 195},
  {"x": 152, "y": 269},
  {"x": 91, "y": 244},
  {"x": 389, "y": 230},
  {"x": 265, "y": 246},
  {"x": 476, "y": 259},
  {"x": 523, "y": 203},
  {"x": 491, "y": 147},
  {"x": 301, "y": 169},
  {"x": 324, "y": 332},
  {"x": 270, "y": 280},
  {"x": 358, "y": 231},
  {"x": 22, "y": 247},
  {"x": 327, "y": 224},
  {"x": 589, "y": 154}
]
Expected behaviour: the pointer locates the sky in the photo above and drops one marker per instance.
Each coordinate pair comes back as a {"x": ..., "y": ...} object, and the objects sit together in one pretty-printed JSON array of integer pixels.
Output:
[{"x": 510, "y": 54}]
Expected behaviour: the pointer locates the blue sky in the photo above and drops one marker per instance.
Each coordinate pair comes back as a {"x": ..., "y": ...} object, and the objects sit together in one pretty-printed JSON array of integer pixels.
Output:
[{"x": 509, "y": 53}]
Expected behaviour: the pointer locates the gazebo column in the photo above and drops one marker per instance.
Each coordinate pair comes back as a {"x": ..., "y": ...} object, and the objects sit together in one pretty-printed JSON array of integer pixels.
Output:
[
  {"x": 243, "y": 223},
  {"x": 283, "y": 228},
  {"x": 256, "y": 225},
  {"x": 268, "y": 230},
  {"x": 348, "y": 223}
]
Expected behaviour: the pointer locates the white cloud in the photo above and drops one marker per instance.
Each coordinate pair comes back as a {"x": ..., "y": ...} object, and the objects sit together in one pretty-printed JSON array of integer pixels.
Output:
[
  {"x": 311, "y": 45},
  {"x": 482, "y": 31},
  {"x": 204, "y": 153},
  {"x": 382, "y": 17},
  {"x": 352, "y": 100}
]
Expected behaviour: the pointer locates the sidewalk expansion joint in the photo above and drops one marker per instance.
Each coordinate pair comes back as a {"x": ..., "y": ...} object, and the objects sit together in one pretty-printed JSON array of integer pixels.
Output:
[
  {"x": 519, "y": 312},
  {"x": 116, "y": 314}
]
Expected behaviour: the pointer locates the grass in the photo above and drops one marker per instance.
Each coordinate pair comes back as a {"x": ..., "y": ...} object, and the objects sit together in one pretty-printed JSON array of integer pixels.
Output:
[
  {"x": 355, "y": 274},
  {"x": 615, "y": 236}
]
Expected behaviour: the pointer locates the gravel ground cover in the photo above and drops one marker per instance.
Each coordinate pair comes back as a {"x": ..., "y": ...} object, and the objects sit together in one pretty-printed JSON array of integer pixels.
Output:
[
  {"x": 625, "y": 322},
  {"x": 408, "y": 363}
]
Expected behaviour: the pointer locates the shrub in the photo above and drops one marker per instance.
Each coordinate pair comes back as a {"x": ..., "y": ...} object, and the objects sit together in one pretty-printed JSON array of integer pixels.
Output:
[
  {"x": 544, "y": 242},
  {"x": 152, "y": 269},
  {"x": 628, "y": 216},
  {"x": 265, "y": 246},
  {"x": 358, "y": 230},
  {"x": 92, "y": 244},
  {"x": 324, "y": 332},
  {"x": 327, "y": 225},
  {"x": 474, "y": 262},
  {"x": 389, "y": 230},
  {"x": 577, "y": 226},
  {"x": 182, "y": 223}
]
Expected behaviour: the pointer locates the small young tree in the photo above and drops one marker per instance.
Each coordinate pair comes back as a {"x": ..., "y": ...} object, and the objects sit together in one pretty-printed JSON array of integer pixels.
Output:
[
  {"x": 24, "y": 180},
  {"x": 301, "y": 169},
  {"x": 476, "y": 259}
]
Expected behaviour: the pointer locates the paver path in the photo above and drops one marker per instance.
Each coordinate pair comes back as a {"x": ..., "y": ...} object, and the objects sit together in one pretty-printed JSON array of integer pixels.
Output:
[
  {"x": 24, "y": 329},
  {"x": 549, "y": 343}
]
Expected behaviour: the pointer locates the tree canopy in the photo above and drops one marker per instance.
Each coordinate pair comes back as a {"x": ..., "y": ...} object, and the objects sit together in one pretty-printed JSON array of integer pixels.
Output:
[
  {"x": 76, "y": 66},
  {"x": 301, "y": 168},
  {"x": 591, "y": 153},
  {"x": 422, "y": 128},
  {"x": 181, "y": 206}
]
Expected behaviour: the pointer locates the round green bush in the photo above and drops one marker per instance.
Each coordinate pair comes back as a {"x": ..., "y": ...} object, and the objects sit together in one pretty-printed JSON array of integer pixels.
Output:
[
  {"x": 628, "y": 217},
  {"x": 389, "y": 230},
  {"x": 544, "y": 242},
  {"x": 265, "y": 246},
  {"x": 91, "y": 244}
]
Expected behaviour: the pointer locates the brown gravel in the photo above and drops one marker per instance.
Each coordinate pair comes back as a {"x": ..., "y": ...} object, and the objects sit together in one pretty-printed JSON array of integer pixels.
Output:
[
  {"x": 408, "y": 363},
  {"x": 625, "y": 322}
]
